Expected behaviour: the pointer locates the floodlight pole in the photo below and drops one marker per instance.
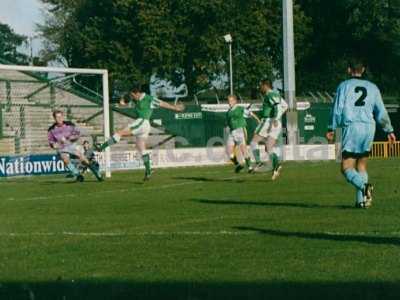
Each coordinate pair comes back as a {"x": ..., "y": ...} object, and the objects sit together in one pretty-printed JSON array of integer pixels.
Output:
[
  {"x": 31, "y": 50},
  {"x": 228, "y": 39},
  {"x": 231, "y": 67},
  {"x": 30, "y": 41},
  {"x": 289, "y": 71}
]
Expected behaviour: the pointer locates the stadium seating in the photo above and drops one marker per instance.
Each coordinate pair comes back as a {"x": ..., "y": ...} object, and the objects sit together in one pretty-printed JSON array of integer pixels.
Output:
[{"x": 27, "y": 103}]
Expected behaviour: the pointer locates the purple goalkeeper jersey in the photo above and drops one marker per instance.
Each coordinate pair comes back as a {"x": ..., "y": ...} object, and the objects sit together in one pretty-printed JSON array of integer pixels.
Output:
[{"x": 60, "y": 134}]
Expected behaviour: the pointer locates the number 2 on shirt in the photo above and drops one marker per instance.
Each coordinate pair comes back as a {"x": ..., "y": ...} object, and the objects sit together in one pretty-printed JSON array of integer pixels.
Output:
[{"x": 364, "y": 93}]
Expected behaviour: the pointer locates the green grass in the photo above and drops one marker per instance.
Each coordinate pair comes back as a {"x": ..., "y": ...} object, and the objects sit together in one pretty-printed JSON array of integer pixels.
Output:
[{"x": 201, "y": 233}]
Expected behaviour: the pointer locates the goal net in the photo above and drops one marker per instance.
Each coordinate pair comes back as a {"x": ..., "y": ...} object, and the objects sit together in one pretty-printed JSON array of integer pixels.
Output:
[{"x": 28, "y": 97}]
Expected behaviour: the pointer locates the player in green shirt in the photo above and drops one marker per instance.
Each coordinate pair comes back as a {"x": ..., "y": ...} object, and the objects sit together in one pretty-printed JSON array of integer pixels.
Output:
[
  {"x": 140, "y": 128},
  {"x": 270, "y": 128},
  {"x": 236, "y": 123}
]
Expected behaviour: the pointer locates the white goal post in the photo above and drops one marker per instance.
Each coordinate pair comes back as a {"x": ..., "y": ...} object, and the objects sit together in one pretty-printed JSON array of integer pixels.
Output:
[{"x": 105, "y": 94}]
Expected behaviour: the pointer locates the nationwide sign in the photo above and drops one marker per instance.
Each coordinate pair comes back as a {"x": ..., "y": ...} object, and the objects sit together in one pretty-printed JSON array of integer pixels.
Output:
[
  {"x": 31, "y": 165},
  {"x": 162, "y": 158}
]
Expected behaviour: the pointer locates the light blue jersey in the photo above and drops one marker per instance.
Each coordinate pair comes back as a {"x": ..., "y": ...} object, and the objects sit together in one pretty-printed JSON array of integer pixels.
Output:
[{"x": 357, "y": 108}]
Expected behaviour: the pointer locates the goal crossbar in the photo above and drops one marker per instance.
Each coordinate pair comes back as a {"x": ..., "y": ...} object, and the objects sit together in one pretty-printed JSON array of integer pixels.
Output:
[{"x": 53, "y": 69}]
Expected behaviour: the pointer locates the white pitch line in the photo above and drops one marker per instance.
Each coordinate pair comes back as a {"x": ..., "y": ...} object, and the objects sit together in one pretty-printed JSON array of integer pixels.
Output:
[
  {"x": 184, "y": 233},
  {"x": 125, "y": 234},
  {"x": 100, "y": 193}
]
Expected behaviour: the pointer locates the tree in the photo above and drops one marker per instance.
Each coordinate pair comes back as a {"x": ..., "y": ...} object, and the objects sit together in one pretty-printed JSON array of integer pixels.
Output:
[
  {"x": 9, "y": 42},
  {"x": 107, "y": 34},
  {"x": 177, "y": 39},
  {"x": 368, "y": 29}
]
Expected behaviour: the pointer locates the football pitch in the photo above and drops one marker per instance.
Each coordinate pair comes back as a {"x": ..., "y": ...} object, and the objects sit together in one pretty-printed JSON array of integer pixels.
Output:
[{"x": 201, "y": 233}]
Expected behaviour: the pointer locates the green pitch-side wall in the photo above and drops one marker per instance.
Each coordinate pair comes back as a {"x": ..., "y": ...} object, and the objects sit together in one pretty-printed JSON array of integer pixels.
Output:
[
  {"x": 199, "y": 127},
  {"x": 313, "y": 123},
  {"x": 196, "y": 126}
]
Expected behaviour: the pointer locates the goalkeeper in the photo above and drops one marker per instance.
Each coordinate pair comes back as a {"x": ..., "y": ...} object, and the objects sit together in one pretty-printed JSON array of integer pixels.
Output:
[{"x": 62, "y": 137}]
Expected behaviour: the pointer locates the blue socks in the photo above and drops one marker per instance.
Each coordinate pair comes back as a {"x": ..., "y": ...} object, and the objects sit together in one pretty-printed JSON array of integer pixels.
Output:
[
  {"x": 360, "y": 195},
  {"x": 364, "y": 176},
  {"x": 354, "y": 178},
  {"x": 358, "y": 180}
]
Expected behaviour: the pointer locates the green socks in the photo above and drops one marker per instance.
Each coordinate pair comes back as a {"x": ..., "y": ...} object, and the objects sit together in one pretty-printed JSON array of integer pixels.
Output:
[
  {"x": 256, "y": 152},
  {"x": 274, "y": 160},
  {"x": 111, "y": 141},
  {"x": 147, "y": 163},
  {"x": 248, "y": 162}
]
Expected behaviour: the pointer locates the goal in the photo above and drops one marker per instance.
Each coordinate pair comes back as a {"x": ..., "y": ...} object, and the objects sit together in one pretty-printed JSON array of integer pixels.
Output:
[{"x": 29, "y": 95}]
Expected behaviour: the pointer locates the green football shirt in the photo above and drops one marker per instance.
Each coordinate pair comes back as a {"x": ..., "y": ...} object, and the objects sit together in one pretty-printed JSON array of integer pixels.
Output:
[
  {"x": 144, "y": 107},
  {"x": 236, "y": 117},
  {"x": 270, "y": 103}
]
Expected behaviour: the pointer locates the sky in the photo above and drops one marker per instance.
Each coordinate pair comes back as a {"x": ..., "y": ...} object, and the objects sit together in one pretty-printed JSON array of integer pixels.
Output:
[{"x": 21, "y": 16}]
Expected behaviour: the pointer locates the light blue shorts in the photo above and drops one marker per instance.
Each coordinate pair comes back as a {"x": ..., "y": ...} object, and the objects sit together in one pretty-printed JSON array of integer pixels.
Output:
[{"x": 358, "y": 138}]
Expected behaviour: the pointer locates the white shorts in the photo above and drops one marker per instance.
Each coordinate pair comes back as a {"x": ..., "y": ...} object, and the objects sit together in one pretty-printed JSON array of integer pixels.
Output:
[
  {"x": 237, "y": 137},
  {"x": 140, "y": 128},
  {"x": 267, "y": 129}
]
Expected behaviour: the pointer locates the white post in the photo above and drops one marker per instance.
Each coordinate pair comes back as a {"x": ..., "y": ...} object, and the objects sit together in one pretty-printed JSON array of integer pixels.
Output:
[
  {"x": 231, "y": 67},
  {"x": 289, "y": 70},
  {"x": 51, "y": 69},
  {"x": 106, "y": 116}
]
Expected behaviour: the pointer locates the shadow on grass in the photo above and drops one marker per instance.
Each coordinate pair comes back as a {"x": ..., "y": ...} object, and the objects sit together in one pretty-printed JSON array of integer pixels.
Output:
[
  {"x": 115, "y": 290},
  {"x": 206, "y": 179},
  {"x": 270, "y": 204},
  {"x": 375, "y": 240}
]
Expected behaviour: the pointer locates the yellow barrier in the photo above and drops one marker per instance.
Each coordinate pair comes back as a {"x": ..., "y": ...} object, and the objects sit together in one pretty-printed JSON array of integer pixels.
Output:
[{"x": 385, "y": 150}]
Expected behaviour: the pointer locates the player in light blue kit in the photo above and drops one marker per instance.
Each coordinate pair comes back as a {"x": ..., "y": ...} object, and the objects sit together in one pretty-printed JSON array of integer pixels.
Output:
[{"x": 357, "y": 108}]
